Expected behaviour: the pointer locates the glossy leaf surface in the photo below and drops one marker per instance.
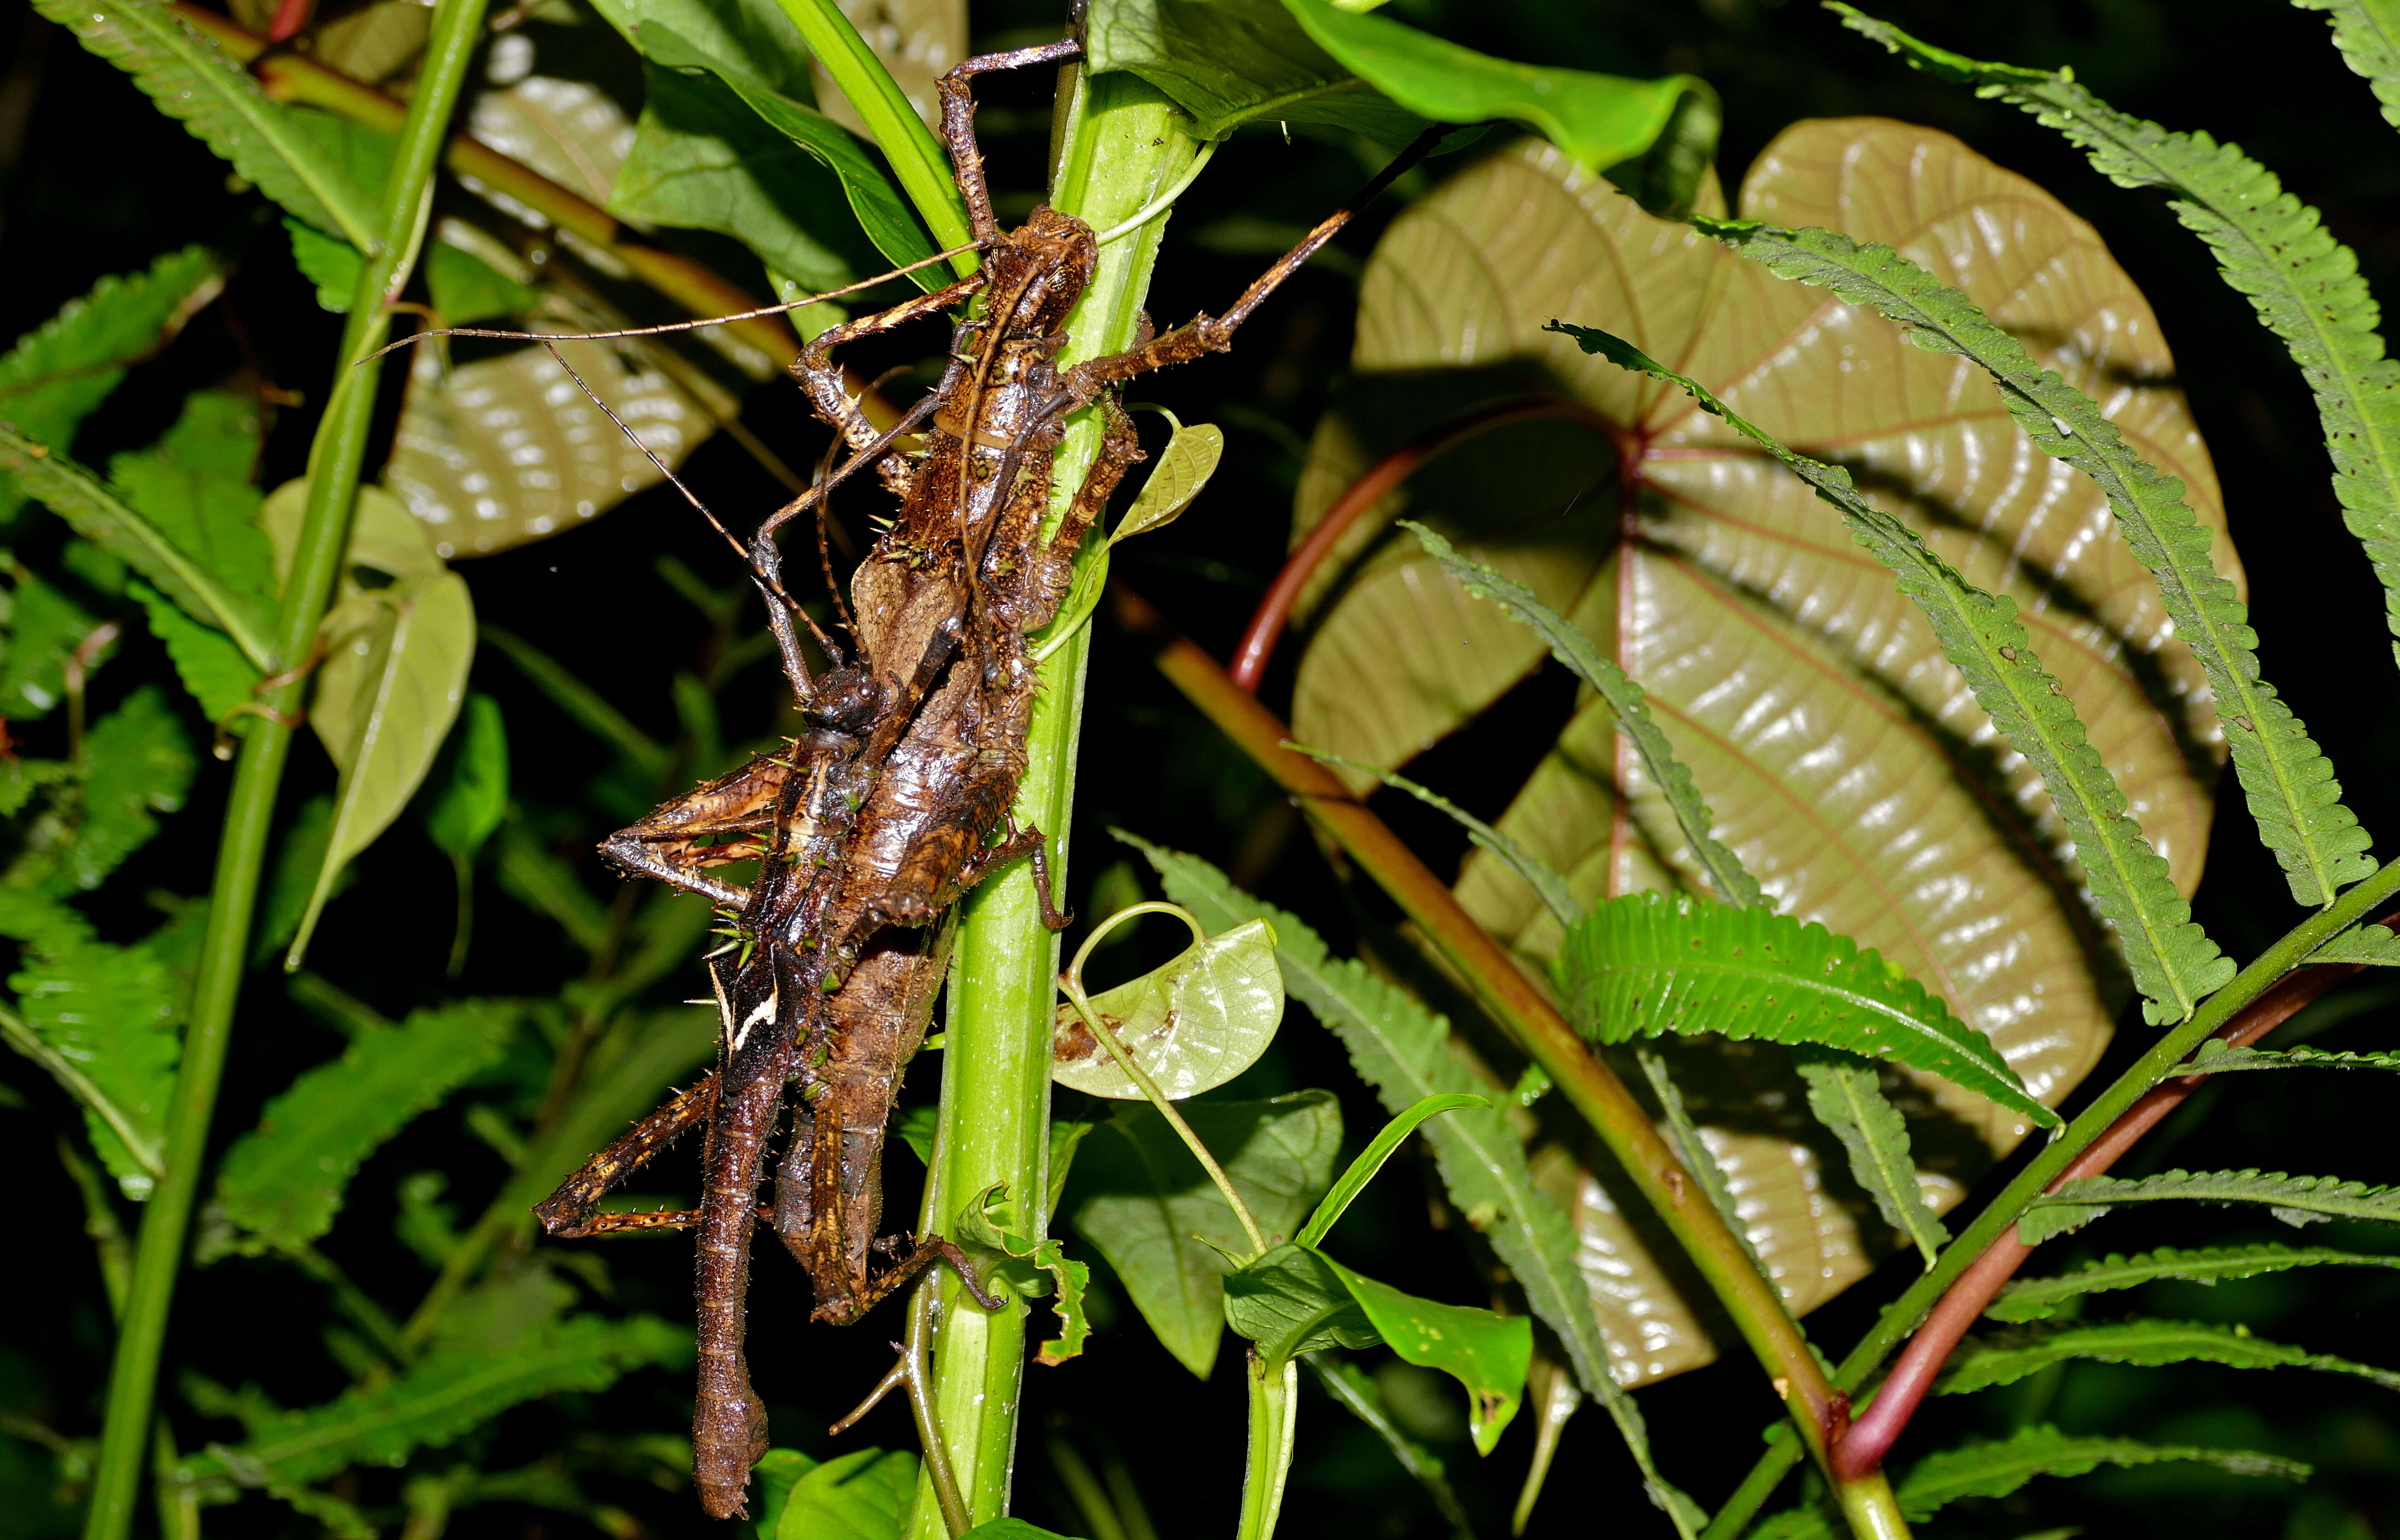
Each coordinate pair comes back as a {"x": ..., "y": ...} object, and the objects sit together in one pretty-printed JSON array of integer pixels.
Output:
[
  {"x": 1191, "y": 1026},
  {"x": 1487, "y": 1353},
  {"x": 1845, "y": 763},
  {"x": 1182, "y": 474},
  {"x": 861, "y": 1495},
  {"x": 1293, "y": 1300}
]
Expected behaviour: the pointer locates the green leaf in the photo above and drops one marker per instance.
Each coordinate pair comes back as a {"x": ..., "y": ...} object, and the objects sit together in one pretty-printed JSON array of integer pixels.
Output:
[
  {"x": 467, "y": 289},
  {"x": 1371, "y": 1160},
  {"x": 284, "y": 1181},
  {"x": 2006, "y": 1358},
  {"x": 702, "y": 160},
  {"x": 99, "y": 515},
  {"x": 102, "y": 1020},
  {"x": 299, "y": 854},
  {"x": 2294, "y": 1200},
  {"x": 1144, "y": 1204},
  {"x": 2367, "y": 32},
  {"x": 529, "y": 873},
  {"x": 979, "y": 1225},
  {"x": 1571, "y": 647},
  {"x": 1191, "y": 1025},
  {"x": 2269, "y": 246},
  {"x": 1648, "y": 964},
  {"x": 2035, "y": 1299},
  {"x": 138, "y": 765},
  {"x": 777, "y": 1471},
  {"x": 2000, "y": 1466},
  {"x": 1293, "y": 1300},
  {"x": 1487, "y": 1353},
  {"x": 1403, "y": 1051},
  {"x": 398, "y": 682},
  {"x": 756, "y": 33},
  {"x": 861, "y": 1496},
  {"x": 1182, "y": 474},
  {"x": 194, "y": 487},
  {"x": 1538, "y": 874},
  {"x": 1233, "y": 61},
  {"x": 473, "y": 796},
  {"x": 329, "y": 262},
  {"x": 1847, "y": 1097},
  {"x": 2369, "y": 943},
  {"x": 1011, "y": 1529},
  {"x": 2289, "y": 783},
  {"x": 2173, "y": 962},
  {"x": 221, "y": 104},
  {"x": 1597, "y": 119},
  {"x": 876, "y": 204},
  {"x": 61, "y": 370},
  {"x": 45, "y": 627},
  {"x": 446, "y": 1396}
]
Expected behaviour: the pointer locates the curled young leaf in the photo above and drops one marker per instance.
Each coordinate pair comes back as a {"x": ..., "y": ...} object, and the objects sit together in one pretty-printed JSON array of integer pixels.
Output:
[
  {"x": 1191, "y": 1025},
  {"x": 978, "y": 1225},
  {"x": 1371, "y": 1160}
]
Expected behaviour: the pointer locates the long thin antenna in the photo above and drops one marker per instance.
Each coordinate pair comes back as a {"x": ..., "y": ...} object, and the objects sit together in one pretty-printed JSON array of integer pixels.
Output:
[{"x": 691, "y": 325}]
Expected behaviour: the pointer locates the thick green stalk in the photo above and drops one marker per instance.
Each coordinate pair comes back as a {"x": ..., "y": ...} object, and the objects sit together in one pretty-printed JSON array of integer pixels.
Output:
[
  {"x": 1121, "y": 145},
  {"x": 1275, "y": 1403},
  {"x": 334, "y": 464},
  {"x": 1900, "y": 1318}
]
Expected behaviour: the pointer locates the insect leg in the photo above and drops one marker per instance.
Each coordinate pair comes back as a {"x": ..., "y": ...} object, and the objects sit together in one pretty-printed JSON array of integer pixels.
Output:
[
  {"x": 1203, "y": 335},
  {"x": 1032, "y": 844},
  {"x": 958, "y": 122},
  {"x": 826, "y": 384},
  {"x": 566, "y": 1213}
]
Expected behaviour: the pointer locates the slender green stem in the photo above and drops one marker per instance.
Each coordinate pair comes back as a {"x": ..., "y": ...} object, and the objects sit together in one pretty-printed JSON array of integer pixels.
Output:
[
  {"x": 1275, "y": 1400},
  {"x": 1122, "y": 143},
  {"x": 918, "y": 1350},
  {"x": 1902, "y": 1315},
  {"x": 1074, "y": 984},
  {"x": 334, "y": 461}
]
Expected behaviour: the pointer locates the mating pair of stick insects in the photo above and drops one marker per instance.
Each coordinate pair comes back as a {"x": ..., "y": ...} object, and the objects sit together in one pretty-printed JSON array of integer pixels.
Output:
[{"x": 881, "y": 815}]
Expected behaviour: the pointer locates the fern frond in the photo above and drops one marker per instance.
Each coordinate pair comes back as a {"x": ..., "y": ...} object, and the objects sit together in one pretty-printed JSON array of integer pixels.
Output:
[
  {"x": 1403, "y": 1051},
  {"x": 140, "y": 764},
  {"x": 443, "y": 1396},
  {"x": 1698, "y": 1158},
  {"x": 2035, "y": 1299},
  {"x": 2000, "y": 1467},
  {"x": 102, "y": 1019},
  {"x": 1672, "y": 777},
  {"x": 2294, "y": 1200},
  {"x": 2288, "y": 781},
  {"x": 2011, "y": 1356},
  {"x": 59, "y": 371},
  {"x": 2368, "y": 33},
  {"x": 2215, "y": 1058},
  {"x": 223, "y": 105},
  {"x": 2173, "y": 962},
  {"x": 284, "y": 1181},
  {"x": 1847, "y": 1097},
  {"x": 1648, "y": 964},
  {"x": 1536, "y": 873},
  {"x": 2374, "y": 944},
  {"x": 2269, "y": 246}
]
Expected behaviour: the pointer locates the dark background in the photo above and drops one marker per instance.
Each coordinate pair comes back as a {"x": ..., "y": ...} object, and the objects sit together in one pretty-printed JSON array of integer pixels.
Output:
[{"x": 94, "y": 181}]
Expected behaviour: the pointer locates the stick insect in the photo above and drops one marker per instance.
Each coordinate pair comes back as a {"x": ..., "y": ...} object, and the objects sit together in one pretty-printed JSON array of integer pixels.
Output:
[{"x": 897, "y": 800}]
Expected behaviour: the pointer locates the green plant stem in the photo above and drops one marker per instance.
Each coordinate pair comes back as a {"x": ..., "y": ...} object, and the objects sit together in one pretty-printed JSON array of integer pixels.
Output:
[
  {"x": 334, "y": 461},
  {"x": 1902, "y": 1316},
  {"x": 1274, "y": 1397},
  {"x": 1121, "y": 143}
]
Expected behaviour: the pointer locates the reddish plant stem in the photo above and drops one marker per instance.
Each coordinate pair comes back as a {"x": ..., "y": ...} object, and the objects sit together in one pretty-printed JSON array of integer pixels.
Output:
[
  {"x": 1258, "y": 643},
  {"x": 1864, "y": 1445},
  {"x": 291, "y": 16}
]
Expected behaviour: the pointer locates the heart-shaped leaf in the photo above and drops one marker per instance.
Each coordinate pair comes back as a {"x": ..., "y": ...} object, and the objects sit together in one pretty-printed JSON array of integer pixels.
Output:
[
  {"x": 1842, "y": 760},
  {"x": 1191, "y": 1026}
]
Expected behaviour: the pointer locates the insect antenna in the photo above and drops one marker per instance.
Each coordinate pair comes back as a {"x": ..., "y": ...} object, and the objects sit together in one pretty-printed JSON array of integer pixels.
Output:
[
  {"x": 909, "y": 422},
  {"x": 689, "y": 325},
  {"x": 824, "y": 553}
]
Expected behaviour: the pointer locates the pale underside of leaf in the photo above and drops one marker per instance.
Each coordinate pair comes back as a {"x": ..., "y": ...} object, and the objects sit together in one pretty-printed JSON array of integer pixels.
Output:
[
  {"x": 2368, "y": 35},
  {"x": 1842, "y": 757},
  {"x": 2377, "y": 945},
  {"x": 2290, "y": 783}
]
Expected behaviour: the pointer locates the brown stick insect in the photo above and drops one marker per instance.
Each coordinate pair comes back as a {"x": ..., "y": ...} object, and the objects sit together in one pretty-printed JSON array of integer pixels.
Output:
[{"x": 897, "y": 800}]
